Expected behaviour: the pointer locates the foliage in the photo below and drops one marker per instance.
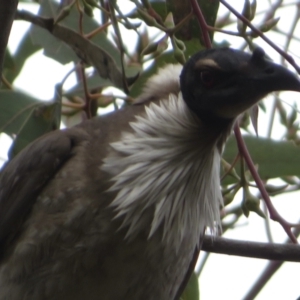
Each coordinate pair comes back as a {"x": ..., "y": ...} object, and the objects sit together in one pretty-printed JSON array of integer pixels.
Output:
[{"x": 92, "y": 35}]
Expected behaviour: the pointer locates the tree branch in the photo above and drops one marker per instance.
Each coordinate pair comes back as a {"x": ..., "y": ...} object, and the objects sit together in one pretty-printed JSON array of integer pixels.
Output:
[
  {"x": 85, "y": 49},
  {"x": 280, "y": 252},
  {"x": 202, "y": 23},
  {"x": 274, "y": 215},
  {"x": 268, "y": 272},
  {"x": 7, "y": 13},
  {"x": 259, "y": 33}
]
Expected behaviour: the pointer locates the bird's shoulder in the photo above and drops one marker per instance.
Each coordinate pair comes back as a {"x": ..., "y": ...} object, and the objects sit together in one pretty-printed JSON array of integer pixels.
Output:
[
  {"x": 23, "y": 178},
  {"x": 62, "y": 151}
]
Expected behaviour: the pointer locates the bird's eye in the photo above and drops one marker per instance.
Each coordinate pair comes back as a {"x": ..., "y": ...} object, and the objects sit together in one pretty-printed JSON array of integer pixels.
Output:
[{"x": 207, "y": 78}]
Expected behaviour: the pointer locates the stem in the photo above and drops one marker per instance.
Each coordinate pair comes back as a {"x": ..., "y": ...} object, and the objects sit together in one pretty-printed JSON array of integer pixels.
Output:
[
  {"x": 270, "y": 251},
  {"x": 202, "y": 23},
  {"x": 269, "y": 271},
  {"x": 258, "y": 32},
  {"x": 274, "y": 215}
]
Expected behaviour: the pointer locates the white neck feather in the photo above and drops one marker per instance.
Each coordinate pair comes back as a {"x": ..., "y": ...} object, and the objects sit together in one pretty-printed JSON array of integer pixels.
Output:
[{"x": 164, "y": 165}]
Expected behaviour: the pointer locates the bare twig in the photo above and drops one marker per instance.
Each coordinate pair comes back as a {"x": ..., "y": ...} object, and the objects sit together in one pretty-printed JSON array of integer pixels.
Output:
[
  {"x": 7, "y": 13},
  {"x": 202, "y": 23},
  {"x": 269, "y": 271},
  {"x": 259, "y": 33},
  {"x": 274, "y": 215},
  {"x": 290, "y": 35},
  {"x": 88, "y": 100},
  {"x": 281, "y": 252},
  {"x": 115, "y": 25}
]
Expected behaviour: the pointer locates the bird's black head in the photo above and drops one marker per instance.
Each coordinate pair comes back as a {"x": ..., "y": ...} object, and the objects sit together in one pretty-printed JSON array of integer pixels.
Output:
[{"x": 219, "y": 84}]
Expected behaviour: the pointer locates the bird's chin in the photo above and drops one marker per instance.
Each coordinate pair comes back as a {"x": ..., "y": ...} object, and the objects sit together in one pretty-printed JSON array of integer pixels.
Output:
[{"x": 232, "y": 111}]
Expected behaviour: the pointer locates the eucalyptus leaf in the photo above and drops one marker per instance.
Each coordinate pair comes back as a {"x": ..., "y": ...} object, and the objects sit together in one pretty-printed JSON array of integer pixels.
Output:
[
  {"x": 56, "y": 48},
  {"x": 93, "y": 82},
  {"x": 41, "y": 121},
  {"x": 191, "y": 291},
  {"x": 191, "y": 29},
  {"x": 273, "y": 158},
  {"x": 8, "y": 60},
  {"x": 15, "y": 109},
  {"x": 160, "y": 8},
  {"x": 24, "y": 50}
]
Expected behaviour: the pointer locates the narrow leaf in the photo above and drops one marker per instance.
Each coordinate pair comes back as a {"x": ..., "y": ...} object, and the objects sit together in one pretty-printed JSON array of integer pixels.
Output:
[{"x": 273, "y": 158}]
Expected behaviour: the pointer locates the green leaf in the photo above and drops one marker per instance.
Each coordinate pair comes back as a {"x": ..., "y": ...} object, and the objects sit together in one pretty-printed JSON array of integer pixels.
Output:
[
  {"x": 104, "y": 57},
  {"x": 25, "y": 49},
  {"x": 8, "y": 62},
  {"x": 26, "y": 117},
  {"x": 42, "y": 120},
  {"x": 59, "y": 50},
  {"x": 210, "y": 11},
  {"x": 93, "y": 83},
  {"x": 53, "y": 47},
  {"x": 192, "y": 47},
  {"x": 191, "y": 29},
  {"x": 15, "y": 109},
  {"x": 160, "y": 8},
  {"x": 274, "y": 158},
  {"x": 191, "y": 291}
]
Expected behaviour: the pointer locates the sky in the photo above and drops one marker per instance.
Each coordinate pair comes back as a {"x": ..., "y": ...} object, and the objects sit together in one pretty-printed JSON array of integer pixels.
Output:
[{"x": 224, "y": 277}]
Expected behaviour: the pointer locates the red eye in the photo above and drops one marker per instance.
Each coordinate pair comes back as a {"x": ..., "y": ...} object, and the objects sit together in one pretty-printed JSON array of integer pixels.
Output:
[{"x": 208, "y": 79}]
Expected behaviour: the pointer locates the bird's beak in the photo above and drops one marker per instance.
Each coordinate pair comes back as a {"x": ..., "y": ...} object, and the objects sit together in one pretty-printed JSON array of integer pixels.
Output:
[
  {"x": 271, "y": 77},
  {"x": 256, "y": 78},
  {"x": 285, "y": 80},
  {"x": 278, "y": 78}
]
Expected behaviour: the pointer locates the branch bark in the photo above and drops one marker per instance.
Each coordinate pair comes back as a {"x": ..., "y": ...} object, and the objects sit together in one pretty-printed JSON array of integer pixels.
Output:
[
  {"x": 85, "y": 49},
  {"x": 7, "y": 13},
  {"x": 280, "y": 252}
]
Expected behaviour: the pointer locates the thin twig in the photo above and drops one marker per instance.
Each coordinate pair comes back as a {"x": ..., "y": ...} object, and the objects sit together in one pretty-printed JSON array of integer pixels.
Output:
[
  {"x": 6, "y": 83},
  {"x": 259, "y": 33},
  {"x": 115, "y": 25},
  {"x": 80, "y": 17},
  {"x": 86, "y": 93},
  {"x": 202, "y": 23},
  {"x": 270, "y": 251},
  {"x": 200, "y": 268},
  {"x": 270, "y": 270},
  {"x": 274, "y": 215},
  {"x": 290, "y": 35},
  {"x": 7, "y": 12}
]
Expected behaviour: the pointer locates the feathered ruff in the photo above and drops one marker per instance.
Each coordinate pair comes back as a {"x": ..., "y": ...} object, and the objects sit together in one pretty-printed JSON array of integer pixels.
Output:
[
  {"x": 162, "y": 84},
  {"x": 165, "y": 165}
]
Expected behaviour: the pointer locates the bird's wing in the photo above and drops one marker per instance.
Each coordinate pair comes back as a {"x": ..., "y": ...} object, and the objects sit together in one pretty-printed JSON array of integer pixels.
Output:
[{"x": 24, "y": 177}]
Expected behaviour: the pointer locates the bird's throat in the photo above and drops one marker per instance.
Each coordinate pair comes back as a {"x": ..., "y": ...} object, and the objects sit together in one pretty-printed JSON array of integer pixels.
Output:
[{"x": 167, "y": 165}]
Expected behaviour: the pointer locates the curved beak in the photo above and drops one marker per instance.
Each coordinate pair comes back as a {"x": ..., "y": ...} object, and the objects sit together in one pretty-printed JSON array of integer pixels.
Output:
[{"x": 269, "y": 76}]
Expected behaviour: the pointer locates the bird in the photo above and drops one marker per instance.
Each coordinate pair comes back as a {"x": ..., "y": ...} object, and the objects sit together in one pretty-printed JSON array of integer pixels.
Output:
[{"x": 116, "y": 207}]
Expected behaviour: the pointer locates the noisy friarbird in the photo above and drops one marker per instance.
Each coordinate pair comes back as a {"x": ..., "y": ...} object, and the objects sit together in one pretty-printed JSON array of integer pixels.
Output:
[{"x": 113, "y": 208}]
